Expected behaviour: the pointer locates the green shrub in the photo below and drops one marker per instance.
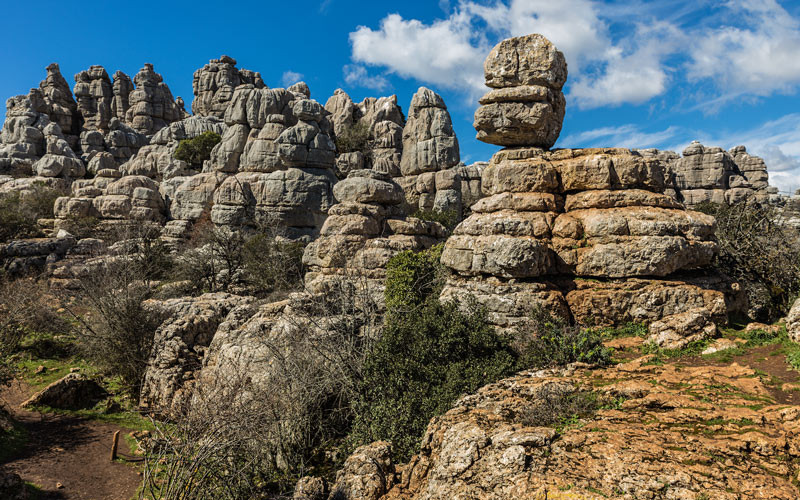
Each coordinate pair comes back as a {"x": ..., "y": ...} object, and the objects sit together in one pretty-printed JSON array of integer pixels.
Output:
[
  {"x": 412, "y": 277},
  {"x": 356, "y": 138},
  {"x": 554, "y": 342},
  {"x": 759, "y": 253},
  {"x": 196, "y": 150},
  {"x": 423, "y": 362},
  {"x": 19, "y": 212},
  {"x": 448, "y": 218},
  {"x": 561, "y": 405},
  {"x": 428, "y": 355}
]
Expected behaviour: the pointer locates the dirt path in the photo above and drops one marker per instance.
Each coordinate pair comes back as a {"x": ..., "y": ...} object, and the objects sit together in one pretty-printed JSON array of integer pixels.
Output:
[{"x": 71, "y": 451}]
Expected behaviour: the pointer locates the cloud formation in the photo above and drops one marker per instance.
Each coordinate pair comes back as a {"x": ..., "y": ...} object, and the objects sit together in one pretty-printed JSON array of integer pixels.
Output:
[
  {"x": 358, "y": 76},
  {"x": 752, "y": 49},
  {"x": 289, "y": 78}
]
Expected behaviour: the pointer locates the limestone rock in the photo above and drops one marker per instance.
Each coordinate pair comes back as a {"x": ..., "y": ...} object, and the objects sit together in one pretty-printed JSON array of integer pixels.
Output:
[
  {"x": 179, "y": 345},
  {"x": 367, "y": 474},
  {"x": 73, "y": 392},
  {"x": 793, "y": 322},
  {"x": 151, "y": 105},
  {"x": 486, "y": 447},
  {"x": 94, "y": 93},
  {"x": 384, "y": 121},
  {"x": 678, "y": 330},
  {"x": 62, "y": 107},
  {"x": 527, "y": 106},
  {"x": 311, "y": 488},
  {"x": 22, "y": 139},
  {"x": 429, "y": 142},
  {"x": 214, "y": 83},
  {"x": 122, "y": 87}
]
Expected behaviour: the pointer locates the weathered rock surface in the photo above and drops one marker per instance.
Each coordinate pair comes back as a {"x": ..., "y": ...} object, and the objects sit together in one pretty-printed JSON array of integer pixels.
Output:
[
  {"x": 655, "y": 444},
  {"x": 430, "y": 177},
  {"x": 94, "y": 93},
  {"x": 793, "y": 322},
  {"x": 214, "y": 83},
  {"x": 180, "y": 344},
  {"x": 526, "y": 106},
  {"x": 73, "y": 392},
  {"x": 710, "y": 174},
  {"x": 151, "y": 105},
  {"x": 61, "y": 107},
  {"x": 364, "y": 230},
  {"x": 384, "y": 121}
]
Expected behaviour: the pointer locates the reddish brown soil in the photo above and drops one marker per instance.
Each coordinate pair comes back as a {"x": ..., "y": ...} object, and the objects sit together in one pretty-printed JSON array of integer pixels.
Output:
[{"x": 71, "y": 451}]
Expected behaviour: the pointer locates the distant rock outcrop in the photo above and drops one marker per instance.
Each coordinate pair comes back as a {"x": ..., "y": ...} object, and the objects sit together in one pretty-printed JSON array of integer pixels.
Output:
[{"x": 214, "y": 83}]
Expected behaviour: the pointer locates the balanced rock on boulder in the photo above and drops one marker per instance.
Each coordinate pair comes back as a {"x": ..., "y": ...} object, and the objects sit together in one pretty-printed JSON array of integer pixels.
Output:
[{"x": 525, "y": 106}]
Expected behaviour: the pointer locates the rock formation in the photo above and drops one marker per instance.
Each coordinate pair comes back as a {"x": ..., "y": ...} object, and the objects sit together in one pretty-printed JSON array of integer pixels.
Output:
[
  {"x": 151, "y": 105},
  {"x": 674, "y": 435},
  {"x": 430, "y": 153},
  {"x": 214, "y": 83},
  {"x": 525, "y": 106},
  {"x": 585, "y": 233},
  {"x": 95, "y": 94},
  {"x": 279, "y": 149},
  {"x": 180, "y": 344},
  {"x": 383, "y": 121},
  {"x": 711, "y": 174},
  {"x": 156, "y": 160},
  {"x": 61, "y": 107},
  {"x": 364, "y": 230}
]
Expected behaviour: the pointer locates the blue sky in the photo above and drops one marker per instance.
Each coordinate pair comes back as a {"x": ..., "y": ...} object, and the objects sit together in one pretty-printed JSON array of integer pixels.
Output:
[{"x": 641, "y": 74}]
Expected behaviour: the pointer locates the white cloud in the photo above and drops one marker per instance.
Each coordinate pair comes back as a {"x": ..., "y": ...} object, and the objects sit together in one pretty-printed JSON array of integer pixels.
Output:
[
  {"x": 624, "y": 136},
  {"x": 444, "y": 53},
  {"x": 449, "y": 53},
  {"x": 760, "y": 58},
  {"x": 357, "y": 76},
  {"x": 617, "y": 54},
  {"x": 289, "y": 78}
]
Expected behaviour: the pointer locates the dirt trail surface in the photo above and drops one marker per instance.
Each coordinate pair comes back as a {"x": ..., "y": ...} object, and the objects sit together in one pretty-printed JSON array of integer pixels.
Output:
[{"x": 72, "y": 451}]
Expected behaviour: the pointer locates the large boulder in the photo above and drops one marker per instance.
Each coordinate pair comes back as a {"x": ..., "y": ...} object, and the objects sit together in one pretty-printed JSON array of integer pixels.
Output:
[
  {"x": 73, "y": 392},
  {"x": 526, "y": 106}
]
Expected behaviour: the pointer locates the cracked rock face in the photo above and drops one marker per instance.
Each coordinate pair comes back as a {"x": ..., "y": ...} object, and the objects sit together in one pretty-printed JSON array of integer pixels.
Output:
[
  {"x": 525, "y": 106},
  {"x": 656, "y": 444},
  {"x": 152, "y": 106},
  {"x": 213, "y": 85}
]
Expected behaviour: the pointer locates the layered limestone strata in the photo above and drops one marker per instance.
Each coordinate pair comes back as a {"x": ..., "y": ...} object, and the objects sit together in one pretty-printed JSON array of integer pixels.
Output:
[
  {"x": 384, "y": 121},
  {"x": 525, "y": 106},
  {"x": 151, "y": 105},
  {"x": 553, "y": 223},
  {"x": 364, "y": 230},
  {"x": 705, "y": 174},
  {"x": 430, "y": 179},
  {"x": 276, "y": 157},
  {"x": 587, "y": 234},
  {"x": 214, "y": 83}
]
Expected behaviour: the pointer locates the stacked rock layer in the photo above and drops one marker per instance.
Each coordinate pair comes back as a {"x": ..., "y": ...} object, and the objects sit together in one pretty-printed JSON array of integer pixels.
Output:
[
  {"x": 364, "y": 230},
  {"x": 585, "y": 233}
]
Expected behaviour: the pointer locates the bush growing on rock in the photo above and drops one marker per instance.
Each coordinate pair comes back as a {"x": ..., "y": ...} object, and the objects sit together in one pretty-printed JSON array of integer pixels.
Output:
[
  {"x": 552, "y": 341},
  {"x": 19, "y": 211},
  {"x": 355, "y": 138},
  {"x": 255, "y": 263},
  {"x": 429, "y": 354},
  {"x": 760, "y": 253},
  {"x": 196, "y": 150},
  {"x": 447, "y": 218},
  {"x": 118, "y": 330}
]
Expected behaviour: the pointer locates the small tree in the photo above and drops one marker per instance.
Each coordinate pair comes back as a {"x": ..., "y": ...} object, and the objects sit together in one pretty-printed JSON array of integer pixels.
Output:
[
  {"x": 428, "y": 355},
  {"x": 760, "y": 253},
  {"x": 20, "y": 211},
  {"x": 196, "y": 150},
  {"x": 356, "y": 137}
]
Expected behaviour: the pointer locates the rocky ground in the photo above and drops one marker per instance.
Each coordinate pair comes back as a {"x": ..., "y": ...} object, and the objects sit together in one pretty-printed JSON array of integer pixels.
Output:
[{"x": 666, "y": 425}]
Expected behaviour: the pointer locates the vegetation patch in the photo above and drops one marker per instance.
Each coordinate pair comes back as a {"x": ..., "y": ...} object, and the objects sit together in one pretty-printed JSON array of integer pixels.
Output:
[{"x": 196, "y": 150}]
